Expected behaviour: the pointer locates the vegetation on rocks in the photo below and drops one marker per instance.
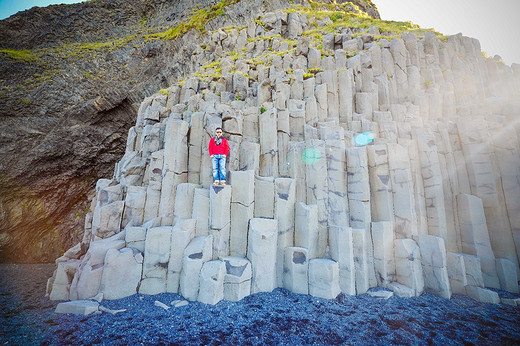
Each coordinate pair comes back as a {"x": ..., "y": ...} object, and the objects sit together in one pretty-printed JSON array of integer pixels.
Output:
[
  {"x": 349, "y": 16},
  {"x": 25, "y": 55},
  {"x": 197, "y": 21},
  {"x": 322, "y": 18}
]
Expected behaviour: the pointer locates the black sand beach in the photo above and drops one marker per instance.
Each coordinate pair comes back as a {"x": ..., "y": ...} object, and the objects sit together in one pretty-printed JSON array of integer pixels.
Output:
[{"x": 280, "y": 317}]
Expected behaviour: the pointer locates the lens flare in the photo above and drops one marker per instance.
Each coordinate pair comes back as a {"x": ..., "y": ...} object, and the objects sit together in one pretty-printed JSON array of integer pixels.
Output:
[
  {"x": 362, "y": 139},
  {"x": 310, "y": 156}
]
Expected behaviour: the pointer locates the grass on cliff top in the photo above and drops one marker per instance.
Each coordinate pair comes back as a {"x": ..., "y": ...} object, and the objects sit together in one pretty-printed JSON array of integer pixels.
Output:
[
  {"x": 348, "y": 15},
  {"x": 197, "y": 21},
  {"x": 347, "y": 7}
]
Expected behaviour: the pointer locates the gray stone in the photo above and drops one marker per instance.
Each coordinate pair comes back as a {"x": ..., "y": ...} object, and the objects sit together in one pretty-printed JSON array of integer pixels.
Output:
[
  {"x": 384, "y": 262},
  {"x": 315, "y": 162},
  {"x": 161, "y": 305},
  {"x": 475, "y": 236},
  {"x": 314, "y": 58},
  {"x": 295, "y": 270},
  {"x": 402, "y": 186},
  {"x": 261, "y": 251},
  {"x": 198, "y": 252},
  {"x": 156, "y": 258},
  {"x": 219, "y": 203},
  {"x": 201, "y": 208},
  {"x": 306, "y": 228},
  {"x": 237, "y": 281},
  {"x": 324, "y": 278},
  {"x": 294, "y": 26},
  {"x": 184, "y": 200},
  {"x": 250, "y": 157},
  {"x": 342, "y": 251},
  {"x": 121, "y": 273},
  {"x": 507, "y": 275},
  {"x": 211, "y": 289},
  {"x": 483, "y": 295},
  {"x": 182, "y": 234},
  {"x": 361, "y": 260},
  {"x": 268, "y": 143},
  {"x": 243, "y": 187},
  {"x": 345, "y": 95},
  {"x": 321, "y": 99},
  {"x": 59, "y": 283},
  {"x": 381, "y": 195},
  {"x": 77, "y": 307},
  {"x": 401, "y": 290},
  {"x": 408, "y": 265},
  {"x": 456, "y": 272},
  {"x": 264, "y": 197},
  {"x": 284, "y": 214},
  {"x": 381, "y": 294}
]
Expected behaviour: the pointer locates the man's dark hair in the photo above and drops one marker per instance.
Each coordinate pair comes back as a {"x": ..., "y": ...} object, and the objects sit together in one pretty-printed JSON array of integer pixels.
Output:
[{"x": 218, "y": 128}]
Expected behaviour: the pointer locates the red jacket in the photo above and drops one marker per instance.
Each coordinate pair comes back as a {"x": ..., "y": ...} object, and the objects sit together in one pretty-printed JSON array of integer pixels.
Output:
[{"x": 222, "y": 149}]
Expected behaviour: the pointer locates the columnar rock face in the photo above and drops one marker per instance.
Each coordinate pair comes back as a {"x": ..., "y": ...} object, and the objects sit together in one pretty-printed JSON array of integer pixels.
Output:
[
  {"x": 220, "y": 219},
  {"x": 198, "y": 252},
  {"x": 182, "y": 234},
  {"x": 242, "y": 209},
  {"x": 261, "y": 251},
  {"x": 342, "y": 251},
  {"x": 475, "y": 236},
  {"x": 121, "y": 273},
  {"x": 408, "y": 266},
  {"x": 353, "y": 164},
  {"x": 296, "y": 270},
  {"x": 324, "y": 278},
  {"x": 237, "y": 280},
  {"x": 155, "y": 265},
  {"x": 211, "y": 289},
  {"x": 384, "y": 261},
  {"x": 433, "y": 257}
]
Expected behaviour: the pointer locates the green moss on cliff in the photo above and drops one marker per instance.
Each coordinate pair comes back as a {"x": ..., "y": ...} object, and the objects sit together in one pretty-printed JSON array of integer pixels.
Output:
[
  {"x": 19, "y": 55},
  {"x": 346, "y": 7},
  {"x": 349, "y": 16},
  {"x": 81, "y": 49},
  {"x": 197, "y": 21}
]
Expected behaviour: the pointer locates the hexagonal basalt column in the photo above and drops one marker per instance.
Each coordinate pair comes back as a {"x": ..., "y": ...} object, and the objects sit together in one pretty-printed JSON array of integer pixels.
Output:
[
  {"x": 156, "y": 258},
  {"x": 237, "y": 281},
  {"x": 408, "y": 265},
  {"x": 211, "y": 289},
  {"x": 296, "y": 270},
  {"x": 198, "y": 252},
  {"x": 342, "y": 251},
  {"x": 242, "y": 210},
  {"x": 324, "y": 278},
  {"x": 261, "y": 251}
]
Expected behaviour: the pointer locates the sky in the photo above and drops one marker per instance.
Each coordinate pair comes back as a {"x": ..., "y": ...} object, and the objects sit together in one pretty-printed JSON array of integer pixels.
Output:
[
  {"x": 10, "y": 7},
  {"x": 494, "y": 23}
]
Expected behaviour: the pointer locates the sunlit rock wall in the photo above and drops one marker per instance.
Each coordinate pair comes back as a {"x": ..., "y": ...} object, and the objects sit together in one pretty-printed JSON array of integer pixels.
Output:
[{"x": 360, "y": 163}]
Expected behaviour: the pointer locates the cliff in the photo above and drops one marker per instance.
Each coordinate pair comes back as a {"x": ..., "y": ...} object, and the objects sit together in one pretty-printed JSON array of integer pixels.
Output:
[
  {"x": 364, "y": 153},
  {"x": 71, "y": 81}
]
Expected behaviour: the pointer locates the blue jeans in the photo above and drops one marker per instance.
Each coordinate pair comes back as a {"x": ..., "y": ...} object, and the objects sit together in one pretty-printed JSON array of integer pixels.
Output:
[{"x": 219, "y": 167}]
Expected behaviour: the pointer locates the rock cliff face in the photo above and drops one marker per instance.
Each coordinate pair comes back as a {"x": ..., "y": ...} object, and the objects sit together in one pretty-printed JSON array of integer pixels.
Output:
[
  {"x": 360, "y": 158},
  {"x": 71, "y": 81}
]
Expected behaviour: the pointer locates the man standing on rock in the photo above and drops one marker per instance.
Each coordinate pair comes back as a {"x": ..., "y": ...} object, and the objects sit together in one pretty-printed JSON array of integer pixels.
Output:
[{"x": 218, "y": 150}]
